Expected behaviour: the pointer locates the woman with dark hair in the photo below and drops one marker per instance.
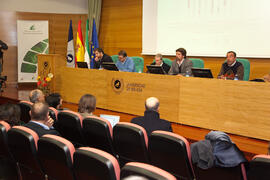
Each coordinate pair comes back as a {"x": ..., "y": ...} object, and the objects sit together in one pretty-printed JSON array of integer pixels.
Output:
[
  {"x": 54, "y": 100},
  {"x": 11, "y": 113},
  {"x": 87, "y": 105}
]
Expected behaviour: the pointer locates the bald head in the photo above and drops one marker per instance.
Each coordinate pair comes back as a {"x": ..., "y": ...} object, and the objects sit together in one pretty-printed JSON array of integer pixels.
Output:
[
  {"x": 40, "y": 111},
  {"x": 152, "y": 103},
  {"x": 36, "y": 96}
]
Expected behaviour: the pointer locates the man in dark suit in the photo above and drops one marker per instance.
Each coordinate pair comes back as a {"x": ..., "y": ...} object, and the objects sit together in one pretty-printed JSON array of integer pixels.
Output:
[
  {"x": 40, "y": 122},
  {"x": 231, "y": 68},
  {"x": 101, "y": 57},
  {"x": 181, "y": 65},
  {"x": 159, "y": 62},
  {"x": 151, "y": 120}
]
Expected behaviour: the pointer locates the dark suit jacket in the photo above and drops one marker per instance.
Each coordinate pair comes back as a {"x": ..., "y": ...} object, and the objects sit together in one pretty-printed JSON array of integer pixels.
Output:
[
  {"x": 186, "y": 66},
  {"x": 151, "y": 122},
  {"x": 105, "y": 58},
  {"x": 165, "y": 67},
  {"x": 40, "y": 130}
]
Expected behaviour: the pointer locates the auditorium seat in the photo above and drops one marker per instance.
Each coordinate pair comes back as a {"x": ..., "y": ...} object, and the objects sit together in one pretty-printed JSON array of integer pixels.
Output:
[
  {"x": 145, "y": 170},
  {"x": 98, "y": 133},
  {"x": 246, "y": 65},
  {"x": 22, "y": 143},
  {"x": 25, "y": 109},
  {"x": 69, "y": 125},
  {"x": 220, "y": 173},
  {"x": 4, "y": 128},
  {"x": 130, "y": 142},
  {"x": 171, "y": 152},
  {"x": 53, "y": 113},
  {"x": 56, "y": 157},
  {"x": 197, "y": 63},
  {"x": 94, "y": 164},
  {"x": 114, "y": 58},
  {"x": 139, "y": 63},
  {"x": 8, "y": 168},
  {"x": 259, "y": 168}
]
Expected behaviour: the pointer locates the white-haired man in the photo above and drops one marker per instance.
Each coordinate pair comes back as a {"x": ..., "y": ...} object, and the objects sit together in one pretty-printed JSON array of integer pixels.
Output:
[{"x": 151, "y": 120}]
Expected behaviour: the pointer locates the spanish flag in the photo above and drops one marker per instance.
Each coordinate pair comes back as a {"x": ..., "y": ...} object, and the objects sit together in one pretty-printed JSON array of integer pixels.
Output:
[{"x": 79, "y": 44}]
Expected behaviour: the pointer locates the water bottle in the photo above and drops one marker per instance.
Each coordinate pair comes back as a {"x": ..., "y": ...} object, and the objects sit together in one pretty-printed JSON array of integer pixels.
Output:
[
  {"x": 187, "y": 73},
  {"x": 236, "y": 77}
]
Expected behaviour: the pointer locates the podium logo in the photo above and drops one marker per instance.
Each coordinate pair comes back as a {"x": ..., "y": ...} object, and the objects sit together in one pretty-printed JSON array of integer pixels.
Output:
[{"x": 117, "y": 85}]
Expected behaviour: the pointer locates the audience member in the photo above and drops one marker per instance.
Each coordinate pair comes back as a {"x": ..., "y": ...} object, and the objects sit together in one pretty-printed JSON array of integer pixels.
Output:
[
  {"x": 151, "y": 120},
  {"x": 87, "y": 105},
  {"x": 159, "y": 62},
  {"x": 36, "y": 95},
  {"x": 231, "y": 68},
  {"x": 181, "y": 65},
  {"x": 11, "y": 114},
  {"x": 124, "y": 62},
  {"x": 100, "y": 57},
  {"x": 54, "y": 100},
  {"x": 40, "y": 122}
]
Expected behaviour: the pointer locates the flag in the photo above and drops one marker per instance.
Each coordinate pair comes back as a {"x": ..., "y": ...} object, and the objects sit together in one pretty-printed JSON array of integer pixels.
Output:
[
  {"x": 70, "y": 47},
  {"x": 86, "y": 45},
  {"x": 94, "y": 43},
  {"x": 79, "y": 44}
]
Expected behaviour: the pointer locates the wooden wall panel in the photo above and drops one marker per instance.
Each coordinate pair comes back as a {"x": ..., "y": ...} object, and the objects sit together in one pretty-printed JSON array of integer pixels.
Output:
[
  {"x": 58, "y": 35},
  {"x": 121, "y": 28}
]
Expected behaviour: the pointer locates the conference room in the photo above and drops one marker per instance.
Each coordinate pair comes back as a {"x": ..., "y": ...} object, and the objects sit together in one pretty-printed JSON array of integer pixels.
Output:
[{"x": 69, "y": 49}]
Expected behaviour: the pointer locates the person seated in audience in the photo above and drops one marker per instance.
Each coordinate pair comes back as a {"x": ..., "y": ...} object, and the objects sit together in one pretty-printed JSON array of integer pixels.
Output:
[
  {"x": 181, "y": 65},
  {"x": 54, "y": 100},
  {"x": 87, "y": 105},
  {"x": 124, "y": 62},
  {"x": 101, "y": 57},
  {"x": 36, "y": 95},
  {"x": 11, "y": 114},
  {"x": 159, "y": 62},
  {"x": 151, "y": 120},
  {"x": 41, "y": 122},
  {"x": 231, "y": 69}
]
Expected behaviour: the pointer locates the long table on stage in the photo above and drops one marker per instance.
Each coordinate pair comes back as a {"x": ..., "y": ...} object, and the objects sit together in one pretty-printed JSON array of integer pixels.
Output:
[
  {"x": 194, "y": 105},
  {"x": 236, "y": 107}
]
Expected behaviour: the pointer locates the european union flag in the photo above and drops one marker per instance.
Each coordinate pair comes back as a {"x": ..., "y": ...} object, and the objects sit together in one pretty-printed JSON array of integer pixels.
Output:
[{"x": 94, "y": 43}]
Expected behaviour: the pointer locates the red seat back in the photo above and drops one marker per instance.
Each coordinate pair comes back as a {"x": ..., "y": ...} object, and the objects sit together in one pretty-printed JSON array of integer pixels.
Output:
[
  {"x": 56, "y": 157},
  {"x": 171, "y": 152},
  {"x": 4, "y": 128},
  {"x": 98, "y": 133},
  {"x": 25, "y": 109},
  {"x": 95, "y": 164},
  {"x": 145, "y": 170},
  {"x": 130, "y": 142},
  {"x": 69, "y": 125},
  {"x": 259, "y": 167},
  {"x": 22, "y": 143}
]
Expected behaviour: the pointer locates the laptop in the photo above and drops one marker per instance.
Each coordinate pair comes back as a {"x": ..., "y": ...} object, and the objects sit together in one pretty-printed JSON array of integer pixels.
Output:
[
  {"x": 109, "y": 66},
  {"x": 155, "y": 69},
  {"x": 82, "y": 65},
  {"x": 202, "y": 73}
]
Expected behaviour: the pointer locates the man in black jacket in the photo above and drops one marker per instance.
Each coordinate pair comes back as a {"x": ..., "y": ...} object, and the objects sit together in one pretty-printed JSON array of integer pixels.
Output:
[
  {"x": 41, "y": 122},
  {"x": 159, "y": 62},
  {"x": 151, "y": 120},
  {"x": 100, "y": 57}
]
